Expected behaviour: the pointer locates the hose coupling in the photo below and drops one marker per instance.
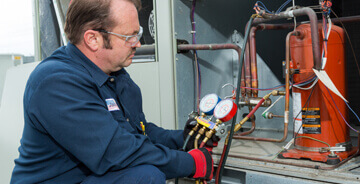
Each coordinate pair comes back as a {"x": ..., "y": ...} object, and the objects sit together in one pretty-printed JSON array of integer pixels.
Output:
[{"x": 278, "y": 93}]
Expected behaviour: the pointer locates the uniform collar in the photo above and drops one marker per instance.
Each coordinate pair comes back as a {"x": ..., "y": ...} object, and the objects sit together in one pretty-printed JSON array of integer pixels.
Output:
[{"x": 98, "y": 75}]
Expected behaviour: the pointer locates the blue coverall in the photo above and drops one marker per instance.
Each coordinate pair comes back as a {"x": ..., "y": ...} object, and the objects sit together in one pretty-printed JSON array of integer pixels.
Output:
[{"x": 81, "y": 124}]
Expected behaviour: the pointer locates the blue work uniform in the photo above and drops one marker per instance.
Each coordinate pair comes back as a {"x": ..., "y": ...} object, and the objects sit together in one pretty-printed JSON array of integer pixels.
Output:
[{"x": 80, "y": 121}]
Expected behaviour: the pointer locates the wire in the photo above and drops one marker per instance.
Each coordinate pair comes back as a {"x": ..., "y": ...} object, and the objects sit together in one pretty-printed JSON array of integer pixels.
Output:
[
  {"x": 352, "y": 111},
  {"x": 283, "y": 6},
  {"x": 302, "y": 83},
  {"x": 276, "y": 101},
  {"x": 348, "y": 37},
  {"x": 340, "y": 112},
  {"x": 308, "y": 88},
  {"x": 306, "y": 104},
  {"x": 314, "y": 140},
  {"x": 261, "y": 6},
  {"x": 282, "y": 149},
  {"x": 265, "y": 89}
]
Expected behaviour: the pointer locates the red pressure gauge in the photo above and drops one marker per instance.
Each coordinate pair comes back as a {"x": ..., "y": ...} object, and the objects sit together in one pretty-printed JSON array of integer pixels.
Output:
[
  {"x": 208, "y": 103},
  {"x": 225, "y": 110}
]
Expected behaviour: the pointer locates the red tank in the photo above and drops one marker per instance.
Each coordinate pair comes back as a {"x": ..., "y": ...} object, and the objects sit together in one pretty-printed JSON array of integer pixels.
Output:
[{"x": 319, "y": 118}]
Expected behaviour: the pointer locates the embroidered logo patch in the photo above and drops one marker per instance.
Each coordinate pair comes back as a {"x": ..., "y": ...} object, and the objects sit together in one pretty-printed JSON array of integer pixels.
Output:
[{"x": 111, "y": 104}]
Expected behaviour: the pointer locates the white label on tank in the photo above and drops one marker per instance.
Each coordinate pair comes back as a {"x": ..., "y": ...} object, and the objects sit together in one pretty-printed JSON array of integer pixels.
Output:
[{"x": 297, "y": 113}]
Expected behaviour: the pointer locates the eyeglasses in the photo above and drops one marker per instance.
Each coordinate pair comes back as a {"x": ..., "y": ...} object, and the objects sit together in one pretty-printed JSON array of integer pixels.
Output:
[{"x": 130, "y": 41}]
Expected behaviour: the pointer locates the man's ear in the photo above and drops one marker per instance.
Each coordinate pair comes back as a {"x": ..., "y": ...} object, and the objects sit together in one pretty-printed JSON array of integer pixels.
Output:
[{"x": 93, "y": 40}]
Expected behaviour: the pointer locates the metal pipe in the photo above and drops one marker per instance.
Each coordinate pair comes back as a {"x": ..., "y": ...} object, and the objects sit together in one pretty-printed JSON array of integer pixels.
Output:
[
  {"x": 301, "y": 165},
  {"x": 346, "y": 19},
  {"x": 253, "y": 61},
  {"x": 262, "y": 26},
  {"x": 185, "y": 47},
  {"x": 242, "y": 82},
  {"x": 287, "y": 99},
  {"x": 247, "y": 69},
  {"x": 145, "y": 50},
  {"x": 254, "y": 78},
  {"x": 247, "y": 77},
  {"x": 313, "y": 26},
  {"x": 277, "y": 116}
]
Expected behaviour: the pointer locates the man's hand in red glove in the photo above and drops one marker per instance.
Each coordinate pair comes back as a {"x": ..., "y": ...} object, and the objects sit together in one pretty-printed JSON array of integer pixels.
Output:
[{"x": 204, "y": 164}]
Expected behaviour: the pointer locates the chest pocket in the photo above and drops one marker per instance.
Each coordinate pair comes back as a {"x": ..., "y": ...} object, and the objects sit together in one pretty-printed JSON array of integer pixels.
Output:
[{"x": 123, "y": 122}]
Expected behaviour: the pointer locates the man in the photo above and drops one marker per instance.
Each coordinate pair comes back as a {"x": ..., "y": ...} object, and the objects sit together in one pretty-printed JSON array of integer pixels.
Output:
[{"x": 83, "y": 113}]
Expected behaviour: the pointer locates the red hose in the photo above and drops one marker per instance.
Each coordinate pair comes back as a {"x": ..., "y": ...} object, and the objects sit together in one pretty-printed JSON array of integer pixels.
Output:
[
  {"x": 219, "y": 165},
  {"x": 255, "y": 108}
]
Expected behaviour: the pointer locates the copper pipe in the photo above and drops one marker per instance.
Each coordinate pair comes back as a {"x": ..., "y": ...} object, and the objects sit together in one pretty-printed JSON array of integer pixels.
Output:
[
  {"x": 287, "y": 99},
  {"x": 185, "y": 47},
  {"x": 254, "y": 78},
  {"x": 242, "y": 80},
  {"x": 253, "y": 66},
  {"x": 251, "y": 130},
  {"x": 247, "y": 75},
  {"x": 349, "y": 19},
  {"x": 263, "y": 138},
  {"x": 277, "y": 116},
  {"x": 313, "y": 26},
  {"x": 247, "y": 69},
  {"x": 301, "y": 165}
]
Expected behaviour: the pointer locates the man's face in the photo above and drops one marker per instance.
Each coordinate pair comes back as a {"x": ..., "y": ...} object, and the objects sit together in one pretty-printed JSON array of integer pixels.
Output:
[{"x": 126, "y": 20}]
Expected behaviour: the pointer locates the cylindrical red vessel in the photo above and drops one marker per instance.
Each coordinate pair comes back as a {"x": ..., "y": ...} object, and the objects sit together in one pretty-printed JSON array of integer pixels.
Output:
[{"x": 319, "y": 117}]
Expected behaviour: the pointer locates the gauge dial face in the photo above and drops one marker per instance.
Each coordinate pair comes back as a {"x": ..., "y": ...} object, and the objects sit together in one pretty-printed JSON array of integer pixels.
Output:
[
  {"x": 223, "y": 108},
  {"x": 208, "y": 102}
]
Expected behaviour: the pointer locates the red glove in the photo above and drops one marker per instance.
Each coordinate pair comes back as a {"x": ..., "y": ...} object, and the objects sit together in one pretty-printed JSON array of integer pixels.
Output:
[
  {"x": 210, "y": 147},
  {"x": 204, "y": 164}
]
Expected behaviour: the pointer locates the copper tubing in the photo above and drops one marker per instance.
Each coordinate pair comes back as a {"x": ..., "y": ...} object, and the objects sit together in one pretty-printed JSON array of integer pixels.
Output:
[
  {"x": 248, "y": 75},
  {"x": 301, "y": 165},
  {"x": 277, "y": 116},
  {"x": 253, "y": 66},
  {"x": 313, "y": 26},
  {"x": 247, "y": 69},
  {"x": 265, "y": 139},
  {"x": 239, "y": 125},
  {"x": 242, "y": 82},
  {"x": 184, "y": 47},
  {"x": 287, "y": 100},
  {"x": 254, "y": 78},
  {"x": 349, "y": 19},
  {"x": 251, "y": 130}
]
